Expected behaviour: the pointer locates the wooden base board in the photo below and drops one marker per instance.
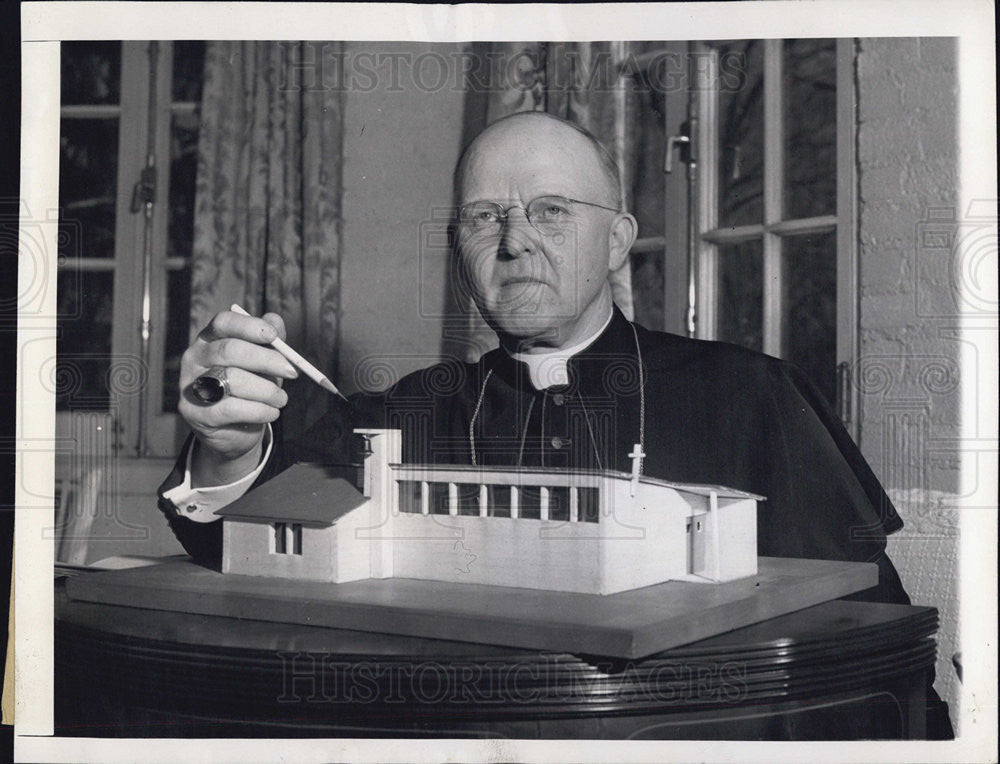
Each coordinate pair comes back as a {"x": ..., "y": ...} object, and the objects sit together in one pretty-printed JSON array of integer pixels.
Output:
[{"x": 631, "y": 624}]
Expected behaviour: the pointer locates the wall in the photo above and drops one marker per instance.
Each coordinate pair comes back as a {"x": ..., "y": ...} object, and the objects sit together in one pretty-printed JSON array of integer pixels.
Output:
[
  {"x": 403, "y": 132},
  {"x": 908, "y": 372}
]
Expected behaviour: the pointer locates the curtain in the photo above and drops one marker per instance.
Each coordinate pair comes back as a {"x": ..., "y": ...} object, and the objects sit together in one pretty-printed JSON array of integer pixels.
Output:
[
  {"x": 575, "y": 81},
  {"x": 267, "y": 207}
]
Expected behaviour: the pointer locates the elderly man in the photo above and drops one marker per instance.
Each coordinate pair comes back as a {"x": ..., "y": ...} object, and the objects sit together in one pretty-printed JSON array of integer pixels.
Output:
[{"x": 573, "y": 384}]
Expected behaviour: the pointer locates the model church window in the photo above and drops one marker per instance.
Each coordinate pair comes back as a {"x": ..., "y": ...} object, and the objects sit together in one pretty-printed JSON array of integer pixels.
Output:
[
  {"x": 287, "y": 538},
  {"x": 530, "y": 502}
]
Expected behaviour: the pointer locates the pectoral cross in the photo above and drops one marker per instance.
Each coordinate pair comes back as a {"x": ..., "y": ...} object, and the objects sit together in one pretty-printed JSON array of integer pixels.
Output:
[{"x": 636, "y": 456}]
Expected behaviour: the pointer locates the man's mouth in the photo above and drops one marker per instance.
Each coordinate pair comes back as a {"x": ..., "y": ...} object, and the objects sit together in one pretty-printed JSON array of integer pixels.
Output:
[
  {"x": 519, "y": 293},
  {"x": 518, "y": 280}
]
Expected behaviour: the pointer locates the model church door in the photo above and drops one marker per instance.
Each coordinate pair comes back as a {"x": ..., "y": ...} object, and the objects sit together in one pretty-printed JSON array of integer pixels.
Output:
[{"x": 696, "y": 543}]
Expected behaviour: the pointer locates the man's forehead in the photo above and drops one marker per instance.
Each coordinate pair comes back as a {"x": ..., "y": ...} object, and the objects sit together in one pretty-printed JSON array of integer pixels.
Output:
[
  {"x": 527, "y": 136},
  {"x": 529, "y": 152}
]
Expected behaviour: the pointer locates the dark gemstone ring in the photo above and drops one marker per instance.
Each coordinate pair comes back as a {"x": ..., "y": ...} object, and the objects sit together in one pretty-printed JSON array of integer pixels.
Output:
[{"x": 211, "y": 387}]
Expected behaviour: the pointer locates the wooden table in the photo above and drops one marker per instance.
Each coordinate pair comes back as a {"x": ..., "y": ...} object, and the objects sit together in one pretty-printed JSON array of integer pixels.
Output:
[{"x": 840, "y": 670}]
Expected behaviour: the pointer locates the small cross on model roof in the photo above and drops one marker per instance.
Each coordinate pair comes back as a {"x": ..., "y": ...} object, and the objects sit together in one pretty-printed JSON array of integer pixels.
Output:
[{"x": 636, "y": 456}]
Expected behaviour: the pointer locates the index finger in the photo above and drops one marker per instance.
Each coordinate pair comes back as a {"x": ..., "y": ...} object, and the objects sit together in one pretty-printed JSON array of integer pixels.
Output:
[{"x": 227, "y": 324}]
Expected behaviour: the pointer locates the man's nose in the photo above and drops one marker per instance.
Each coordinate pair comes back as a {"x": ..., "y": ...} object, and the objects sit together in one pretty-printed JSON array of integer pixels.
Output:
[{"x": 518, "y": 235}]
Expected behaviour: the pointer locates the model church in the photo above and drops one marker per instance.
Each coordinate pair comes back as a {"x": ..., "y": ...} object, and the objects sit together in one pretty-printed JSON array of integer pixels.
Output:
[{"x": 589, "y": 531}]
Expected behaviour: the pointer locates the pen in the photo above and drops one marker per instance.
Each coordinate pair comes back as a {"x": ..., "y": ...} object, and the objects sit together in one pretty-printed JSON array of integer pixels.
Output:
[{"x": 310, "y": 371}]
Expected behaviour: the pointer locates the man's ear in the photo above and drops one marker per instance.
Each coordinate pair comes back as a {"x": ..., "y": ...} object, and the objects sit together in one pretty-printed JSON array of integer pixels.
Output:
[{"x": 620, "y": 239}]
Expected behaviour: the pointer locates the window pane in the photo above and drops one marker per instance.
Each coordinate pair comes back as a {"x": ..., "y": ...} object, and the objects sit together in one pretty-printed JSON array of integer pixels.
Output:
[
  {"x": 83, "y": 346},
  {"x": 498, "y": 503},
  {"x": 189, "y": 63},
  {"x": 647, "y": 288},
  {"x": 559, "y": 503},
  {"x": 530, "y": 502},
  {"x": 589, "y": 507},
  {"x": 183, "y": 170},
  {"x": 741, "y": 132},
  {"x": 176, "y": 339},
  {"x": 439, "y": 499},
  {"x": 811, "y": 299},
  {"x": 87, "y": 168},
  {"x": 409, "y": 496},
  {"x": 810, "y": 101},
  {"x": 91, "y": 72},
  {"x": 647, "y": 103},
  {"x": 741, "y": 298},
  {"x": 468, "y": 499},
  {"x": 188, "y": 69}
]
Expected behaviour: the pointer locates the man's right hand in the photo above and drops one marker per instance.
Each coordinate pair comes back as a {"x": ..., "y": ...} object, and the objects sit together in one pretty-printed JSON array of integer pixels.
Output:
[{"x": 229, "y": 432}]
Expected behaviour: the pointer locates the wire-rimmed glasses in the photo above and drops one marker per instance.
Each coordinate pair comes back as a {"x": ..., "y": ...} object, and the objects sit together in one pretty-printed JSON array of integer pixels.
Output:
[{"x": 548, "y": 215}]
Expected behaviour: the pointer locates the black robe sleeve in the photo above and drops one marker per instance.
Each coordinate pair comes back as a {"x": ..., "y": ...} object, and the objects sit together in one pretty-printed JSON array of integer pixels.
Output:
[
  {"x": 887, "y": 518},
  {"x": 826, "y": 474}
]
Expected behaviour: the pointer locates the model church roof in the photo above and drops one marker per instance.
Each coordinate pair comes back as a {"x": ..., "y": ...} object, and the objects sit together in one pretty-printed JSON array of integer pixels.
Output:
[{"x": 312, "y": 494}]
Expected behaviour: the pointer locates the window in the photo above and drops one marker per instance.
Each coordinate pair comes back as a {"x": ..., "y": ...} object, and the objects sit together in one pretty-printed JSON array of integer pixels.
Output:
[
  {"x": 530, "y": 502},
  {"x": 467, "y": 497},
  {"x": 287, "y": 538},
  {"x": 498, "y": 500},
  {"x": 559, "y": 502},
  {"x": 124, "y": 272},
  {"x": 564, "y": 503},
  {"x": 758, "y": 159},
  {"x": 589, "y": 504},
  {"x": 409, "y": 496},
  {"x": 440, "y": 498}
]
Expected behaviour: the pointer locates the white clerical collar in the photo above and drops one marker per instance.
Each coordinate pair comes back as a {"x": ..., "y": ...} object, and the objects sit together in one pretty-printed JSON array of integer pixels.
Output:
[{"x": 548, "y": 369}]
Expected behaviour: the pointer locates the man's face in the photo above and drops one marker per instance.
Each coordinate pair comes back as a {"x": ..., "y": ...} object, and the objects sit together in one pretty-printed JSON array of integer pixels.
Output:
[{"x": 544, "y": 287}]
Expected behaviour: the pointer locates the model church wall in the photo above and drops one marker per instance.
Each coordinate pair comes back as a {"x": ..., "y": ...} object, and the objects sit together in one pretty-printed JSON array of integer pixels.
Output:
[
  {"x": 574, "y": 531},
  {"x": 365, "y": 537},
  {"x": 252, "y": 550}
]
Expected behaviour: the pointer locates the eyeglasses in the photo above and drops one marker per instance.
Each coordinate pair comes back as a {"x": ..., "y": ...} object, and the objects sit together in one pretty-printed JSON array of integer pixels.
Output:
[{"x": 547, "y": 214}]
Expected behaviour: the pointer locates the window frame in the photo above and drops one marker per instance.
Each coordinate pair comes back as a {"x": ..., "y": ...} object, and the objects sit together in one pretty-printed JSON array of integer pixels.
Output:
[
  {"x": 775, "y": 227},
  {"x": 706, "y": 238},
  {"x": 142, "y": 427}
]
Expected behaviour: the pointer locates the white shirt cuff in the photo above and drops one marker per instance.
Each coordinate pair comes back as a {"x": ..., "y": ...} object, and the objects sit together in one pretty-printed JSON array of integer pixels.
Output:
[{"x": 200, "y": 504}]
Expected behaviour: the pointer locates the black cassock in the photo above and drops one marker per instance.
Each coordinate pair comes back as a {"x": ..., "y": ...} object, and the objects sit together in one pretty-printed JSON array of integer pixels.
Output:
[{"x": 709, "y": 412}]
